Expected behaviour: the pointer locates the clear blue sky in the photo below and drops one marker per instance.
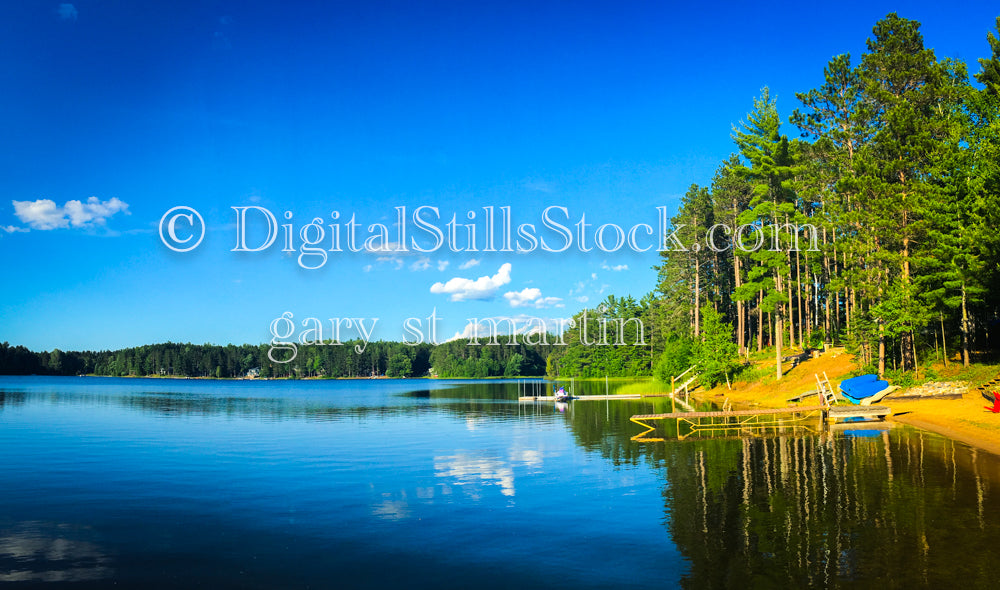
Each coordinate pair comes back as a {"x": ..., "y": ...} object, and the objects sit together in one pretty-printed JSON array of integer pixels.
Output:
[{"x": 113, "y": 112}]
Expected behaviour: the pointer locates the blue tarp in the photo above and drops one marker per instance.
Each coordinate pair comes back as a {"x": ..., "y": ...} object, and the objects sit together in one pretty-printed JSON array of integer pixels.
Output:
[{"x": 858, "y": 388}]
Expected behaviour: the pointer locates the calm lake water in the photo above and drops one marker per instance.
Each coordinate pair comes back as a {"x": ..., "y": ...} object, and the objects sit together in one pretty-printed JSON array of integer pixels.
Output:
[{"x": 451, "y": 484}]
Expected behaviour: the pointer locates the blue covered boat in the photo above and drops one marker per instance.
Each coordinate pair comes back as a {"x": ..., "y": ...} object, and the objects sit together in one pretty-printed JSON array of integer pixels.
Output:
[{"x": 860, "y": 390}]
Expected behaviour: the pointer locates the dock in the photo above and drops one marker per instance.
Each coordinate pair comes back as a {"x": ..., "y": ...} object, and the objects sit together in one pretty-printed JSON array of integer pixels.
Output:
[
  {"x": 746, "y": 421},
  {"x": 837, "y": 413},
  {"x": 757, "y": 420},
  {"x": 576, "y": 398}
]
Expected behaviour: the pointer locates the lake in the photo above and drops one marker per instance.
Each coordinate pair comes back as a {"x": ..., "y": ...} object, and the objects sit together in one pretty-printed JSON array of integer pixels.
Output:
[{"x": 162, "y": 483}]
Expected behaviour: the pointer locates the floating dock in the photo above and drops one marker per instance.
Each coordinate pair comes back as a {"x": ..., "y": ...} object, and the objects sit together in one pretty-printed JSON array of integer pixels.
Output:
[
  {"x": 752, "y": 421},
  {"x": 836, "y": 413},
  {"x": 552, "y": 398},
  {"x": 742, "y": 420}
]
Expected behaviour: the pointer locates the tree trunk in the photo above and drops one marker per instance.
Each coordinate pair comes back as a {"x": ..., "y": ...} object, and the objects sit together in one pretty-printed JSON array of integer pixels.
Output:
[
  {"x": 827, "y": 337},
  {"x": 944, "y": 339},
  {"x": 740, "y": 319},
  {"x": 798, "y": 294},
  {"x": 760, "y": 321},
  {"x": 965, "y": 330},
  {"x": 777, "y": 343},
  {"x": 881, "y": 350},
  {"x": 697, "y": 298}
]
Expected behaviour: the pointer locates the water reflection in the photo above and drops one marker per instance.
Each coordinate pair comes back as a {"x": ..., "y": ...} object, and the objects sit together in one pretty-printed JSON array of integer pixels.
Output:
[
  {"x": 833, "y": 510},
  {"x": 459, "y": 473},
  {"x": 11, "y": 399},
  {"x": 477, "y": 470},
  {"x": 47, "y": 552}
]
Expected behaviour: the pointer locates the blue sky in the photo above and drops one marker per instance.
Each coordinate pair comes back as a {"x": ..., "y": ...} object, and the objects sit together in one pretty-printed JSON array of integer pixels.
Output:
[{"x": 114, "y": 112}]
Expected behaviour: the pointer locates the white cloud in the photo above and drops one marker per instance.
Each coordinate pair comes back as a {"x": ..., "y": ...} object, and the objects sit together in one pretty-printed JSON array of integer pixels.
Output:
[
  {"x": 367, "y": 268},
  {"x": 12, "y": 229},
  {"x": 531, "y": 297},
  {"x": 582, "y": 298},
  {"x": 443, "y": 264},
  {"x": 471, "y": 470},
  {"x": 593, "y": 276},
  {"x": 44, "y": 214},
  {"x": 67, "y": 12},
  {"x": 485, "y": 287},
  {"x": 421, "y": 264},
  {"x": 40, "y": 214},
  {"x": 616, "y": 268},
  {"x": 468, "y": 264},
  {"x": 393, "y": 259}
]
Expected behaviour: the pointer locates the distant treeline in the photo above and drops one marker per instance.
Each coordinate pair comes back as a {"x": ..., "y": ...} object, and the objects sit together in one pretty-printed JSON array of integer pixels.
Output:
[
  {"x": 613, "y": 345},
  {"x": 392, "y": 359}
]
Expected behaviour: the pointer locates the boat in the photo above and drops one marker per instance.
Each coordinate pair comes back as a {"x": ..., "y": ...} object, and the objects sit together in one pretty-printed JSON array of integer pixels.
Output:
[
  {"x": 562, "y": 396},
  {"x": 865, "y": 389}
]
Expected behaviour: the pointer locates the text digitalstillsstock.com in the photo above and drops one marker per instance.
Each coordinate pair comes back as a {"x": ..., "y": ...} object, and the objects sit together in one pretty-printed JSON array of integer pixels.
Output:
[
  {"x": 491, "y": 229},
  {"x": 182, "y": 229}
]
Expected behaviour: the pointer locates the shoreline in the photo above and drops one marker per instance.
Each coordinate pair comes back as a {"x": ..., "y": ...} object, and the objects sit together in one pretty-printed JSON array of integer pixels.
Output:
[
  {"x": 961, "y": 419},
  {"x": 977, "y": 442}
]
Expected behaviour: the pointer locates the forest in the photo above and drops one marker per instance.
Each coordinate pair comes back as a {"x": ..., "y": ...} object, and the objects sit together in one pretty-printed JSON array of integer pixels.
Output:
[
  {"x": 378, "y": 359},
  {"x": 894, "y": 178},
  {"x": 873, "y": 227}
]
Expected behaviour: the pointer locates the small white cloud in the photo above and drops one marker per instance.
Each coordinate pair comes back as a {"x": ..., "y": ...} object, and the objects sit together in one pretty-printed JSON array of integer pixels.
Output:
[
  {"x": 531, "y": 297},
  {"x": 367, "y": 268},
  {"x": 468, "y": 264},
  {"x": 593, "y": 276},
  {"x": 421, "y": 264},
  {"x": 393, "y": 259},
  {"x": 67, "y": 12},
  {"x": 40, "y": 214},
  {"x": 44, "y": 214},
  {"x": 582, "y": 298},
  {"x": 13, "y": 229},
  {"x": 485, "y": 287},
  {"x": 443, "y": 264},
  {"x": 615, "y": 268}
]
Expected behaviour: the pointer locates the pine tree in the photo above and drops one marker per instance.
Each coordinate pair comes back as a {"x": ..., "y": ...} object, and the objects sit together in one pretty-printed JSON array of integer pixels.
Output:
[{"x": 768, "y": 168}]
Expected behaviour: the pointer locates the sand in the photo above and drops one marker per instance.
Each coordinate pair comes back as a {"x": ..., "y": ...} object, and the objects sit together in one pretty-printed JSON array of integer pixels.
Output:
[{"x": 963, "y": 419}]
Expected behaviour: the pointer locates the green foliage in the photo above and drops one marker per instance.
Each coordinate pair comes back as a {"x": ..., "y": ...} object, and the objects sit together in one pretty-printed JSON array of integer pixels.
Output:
[
  {"x": 676, "y": 358},
  {"x": 900, "y": 377},
  {"x": 610, "y": 340},
  {"x": 399, "y": 366},
  {"x": 464, "y": 358},
  {"x": 715, "y": 355}
]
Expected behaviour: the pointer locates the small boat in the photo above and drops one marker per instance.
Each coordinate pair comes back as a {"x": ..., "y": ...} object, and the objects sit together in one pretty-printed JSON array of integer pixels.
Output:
[
  {"x": 865, "y": 389},
  {"x": 562, "y": 396}
]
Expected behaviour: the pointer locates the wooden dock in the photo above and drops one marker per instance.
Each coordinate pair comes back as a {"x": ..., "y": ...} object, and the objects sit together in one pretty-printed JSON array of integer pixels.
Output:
[
  {"x": 744, "y": 421},
  {"x": 552, "y": 398},
  {"x": 754, "y": 421},
  {"x": 837, "y": 413},
  {"x": 731, "y": 413}
]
